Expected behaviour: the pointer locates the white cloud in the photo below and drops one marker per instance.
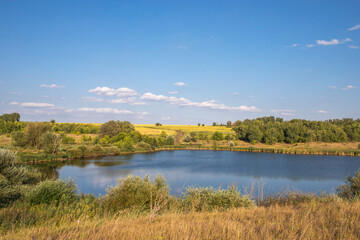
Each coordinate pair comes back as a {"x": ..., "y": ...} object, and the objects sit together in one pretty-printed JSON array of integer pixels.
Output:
[
  {"x": 211, "y": 104},
  {"x": 182, "y": 47},
  {"x": 130, "y": 101},
  {"x": 353, "y": 46},
  {"x": 14, "y": 103},
  {"x": 322, "y": 111},
  {"x": 92, "y": 99},
  {"x": 105, "y": 110},
  {"x": 333, "y": 42},
  {"x": 180, "y": 84},
  {"x": 166, "y": 118},
  {"x": 354, "y": 28},
  {"x": 37, "y": 105},
  {"x": 293, "y": 45},
  {"x": 120, "y": 92},
  {"x": 332, "y": 87},
  {"x": 235, "y": 93},
  {"x": 251, "y": 96},
  {"x": 348, "y": 87},
  {"x": 283, "y": 112},
  {"x": 51, "y": 86},
  {"x": 310, "y": 45},
  {"x": 173, "y": 92}
]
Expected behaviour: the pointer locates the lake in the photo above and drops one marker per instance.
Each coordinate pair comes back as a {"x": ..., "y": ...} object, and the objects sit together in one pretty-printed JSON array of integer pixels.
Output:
[{"x": 182, "y": 168}]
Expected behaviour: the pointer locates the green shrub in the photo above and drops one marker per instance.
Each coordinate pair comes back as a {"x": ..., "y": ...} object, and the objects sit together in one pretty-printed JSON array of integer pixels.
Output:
[
  {"x": 170, "y": 140},
  {"x": 351, "y": 189},
  {"x": 97, "y": 150},
  {"x": 208, "y": 199},
  {"x": 187, "y": 138},
  {"x": 359, "y": 146},
  {"x": 217, "y": 136},
  {"x": 50, "y": 191},
  {"x": 231, "y": 144},
  {"x": 7, "y": 159},
  {"x": 135, "y": 193},
  {"x": 18, "y": 139},
  {"x": 50, "y": 142},
  {"x": 143, "y": 145},
  {"x": 66, "y": 139}
]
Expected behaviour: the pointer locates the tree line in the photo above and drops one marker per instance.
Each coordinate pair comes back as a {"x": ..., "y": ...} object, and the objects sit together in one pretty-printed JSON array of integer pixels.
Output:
[{"x": 272, "y": 130}]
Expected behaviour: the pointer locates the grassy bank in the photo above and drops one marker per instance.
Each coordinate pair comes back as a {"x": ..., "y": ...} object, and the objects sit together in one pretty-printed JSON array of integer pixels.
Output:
[{"x": 335, "y": 220}]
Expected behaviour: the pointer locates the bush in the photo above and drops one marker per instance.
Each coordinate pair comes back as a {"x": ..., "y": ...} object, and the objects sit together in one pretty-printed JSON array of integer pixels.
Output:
[
  {"x": 13, "y": 178},
  {"x": 50, "y": 191},
  {"x": 66, "y": 139},
  {"x": 351, "y": 189},
  {"x": 34, "y": 132},
  {"x": 144, "y": 145},
  {"x": 18, "y": 139},
  {"x": 231, "y": 144},
  {"x": 134, "y": 193},
  {"x": 205, "y": 199},
  {"x": 359, "y": 146},
  {"x": 50, "y": 142},
  {"x": 217, "y": 136},
  {"x": 187, "y": 138},
  {"x": 170, "y": 140}
]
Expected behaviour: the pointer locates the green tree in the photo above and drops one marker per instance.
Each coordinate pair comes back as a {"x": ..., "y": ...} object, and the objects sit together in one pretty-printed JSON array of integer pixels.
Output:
[
  {"x": 50, "y": 142},
  {"x": 217, "y": 136},
  {"x": 112, "y": 128}
]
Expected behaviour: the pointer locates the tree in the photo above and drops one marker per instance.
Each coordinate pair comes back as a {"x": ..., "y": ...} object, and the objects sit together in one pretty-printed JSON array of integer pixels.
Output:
[
  {"x": 34, "y": 132},
  {"x": 158, "y": 124},
  {"x": 50, "y": 142},
  {"x": 214, "y": 124},
  {"x": 12, "y": 117},
  {"x": 112, "y": 128},
  {"x": 228, "y": 124}
]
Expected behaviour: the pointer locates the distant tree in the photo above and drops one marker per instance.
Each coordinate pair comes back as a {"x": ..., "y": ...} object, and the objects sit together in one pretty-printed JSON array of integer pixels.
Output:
[
  {"x": 170, "y": 140},
  {"x": 158, "y": 124},
  {"x": 194, "y": 136},
  {"x": 203, "y": 125},
  {"x": 12, "y": 117},
  {"x": 52, "y": 121},
  {"x": 112, "y": 128},
  {"x": 228, "y": 124},
  {"x": 214, "y": 124}
]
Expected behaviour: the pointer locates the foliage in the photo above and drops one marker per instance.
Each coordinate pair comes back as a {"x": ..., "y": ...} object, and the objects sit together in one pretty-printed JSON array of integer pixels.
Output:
[
  {"x": 272, "y": 130},
  {"x": 158, "y": 124},
  {"x": 50, "y": 142},
  {"x": 136, "y": 193},
  {"x": 351, "y": 188},
  {"x": 187, "y": 138},
  {"x": 208, "y": 199},
  {"x": 81, "y": 128},
  {"x": 34, "y": 132},
  {"x": 217, "y": 136},
  {"x": 112, "y": 128},
  {"x": 13, "y": 178},
  {"x": 50, "y": 191},
  {"x": 67, "y": 139},
  {"x": 12, "y": 117},
  {"x": 18, "y": 139}
]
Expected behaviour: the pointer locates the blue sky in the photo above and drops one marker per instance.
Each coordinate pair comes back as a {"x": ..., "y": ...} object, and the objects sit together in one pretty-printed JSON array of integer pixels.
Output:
[{"x": 179, "y": 62}]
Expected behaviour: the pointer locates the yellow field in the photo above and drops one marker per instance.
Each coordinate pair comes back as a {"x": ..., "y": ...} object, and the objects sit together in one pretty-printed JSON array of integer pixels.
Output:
[{"x": 151, "y": 129}]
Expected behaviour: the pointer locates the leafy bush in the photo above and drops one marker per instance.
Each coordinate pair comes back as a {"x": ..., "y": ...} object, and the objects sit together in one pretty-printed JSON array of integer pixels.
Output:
[
  {"x": 18, "y": 139},
  {"x": 52, "y": 191},
  {"x": 50, "y": 142},
  {"x": 351, "y": 189},
  {"x": 217, "y": 136},
  {"x": 170, "y": 140},
  {"x": 34, "y": 132},
  {"x": 66, "y": 139},
  {"x": 143, "y": 145},
  {"x": 187, "y": 138},
  {"x": 137, "y": 194},
  {"x": 13, "y": 178},
  {"x": 205, "y": 199},
  {"x": 231, "y": 144}
]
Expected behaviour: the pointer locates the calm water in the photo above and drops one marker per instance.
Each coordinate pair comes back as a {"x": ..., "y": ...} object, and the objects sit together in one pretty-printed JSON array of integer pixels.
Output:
[{"x": 308, "y": 173}]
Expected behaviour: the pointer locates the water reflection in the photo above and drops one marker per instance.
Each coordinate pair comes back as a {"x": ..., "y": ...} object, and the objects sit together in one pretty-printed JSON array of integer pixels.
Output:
[{"x": 309, "y": 173}]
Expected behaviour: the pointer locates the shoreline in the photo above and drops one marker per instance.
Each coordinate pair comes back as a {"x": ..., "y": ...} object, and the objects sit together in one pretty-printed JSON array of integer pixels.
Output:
[{"x": 324, "y": 152}]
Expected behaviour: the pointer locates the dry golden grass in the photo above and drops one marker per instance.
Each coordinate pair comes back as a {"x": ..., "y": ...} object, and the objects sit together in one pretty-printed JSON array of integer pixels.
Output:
[
  {"x": 332, "y": 220},
  {"x": 78, "y": 137},
  {"x": 4, "y": 140}
]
